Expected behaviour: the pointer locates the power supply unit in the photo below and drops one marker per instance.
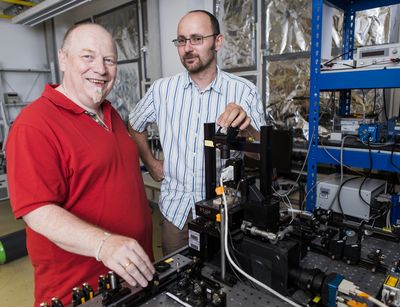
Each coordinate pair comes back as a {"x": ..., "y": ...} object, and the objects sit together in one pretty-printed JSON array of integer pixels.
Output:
[{"x": 351, "y": 203}]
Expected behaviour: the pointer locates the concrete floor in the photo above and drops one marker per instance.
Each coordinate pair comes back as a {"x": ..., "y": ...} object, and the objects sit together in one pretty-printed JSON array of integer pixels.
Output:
[{"x": 16, "y": 277}]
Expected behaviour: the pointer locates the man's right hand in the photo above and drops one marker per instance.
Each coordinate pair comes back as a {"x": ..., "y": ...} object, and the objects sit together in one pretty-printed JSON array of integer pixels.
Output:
[
  {"x": 153, "y": 165},
  {"x": 127, "y": 258},
  {"x": 121, "y": 254},
  {"x": 156, "y": 170}
]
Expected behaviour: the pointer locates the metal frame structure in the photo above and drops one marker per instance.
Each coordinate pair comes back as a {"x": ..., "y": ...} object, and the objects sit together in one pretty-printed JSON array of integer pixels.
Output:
[
  {"x": 263, "y": 148},
  {"x": 4, "y": 109},
  {"x": 345, "y": 81}
]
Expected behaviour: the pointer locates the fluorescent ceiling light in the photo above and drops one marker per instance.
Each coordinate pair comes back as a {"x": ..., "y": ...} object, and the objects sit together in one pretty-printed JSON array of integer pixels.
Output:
[{"x": 45, "y": 10}]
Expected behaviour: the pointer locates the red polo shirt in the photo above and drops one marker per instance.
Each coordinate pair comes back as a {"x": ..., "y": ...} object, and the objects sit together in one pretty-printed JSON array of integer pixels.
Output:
[{"x": 57, "y": 154}]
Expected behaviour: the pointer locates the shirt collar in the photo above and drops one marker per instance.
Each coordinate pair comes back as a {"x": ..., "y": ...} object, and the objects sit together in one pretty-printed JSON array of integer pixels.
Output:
[
  {"x": 216, "y": 84},
  {"x": 63, "y": 101}
]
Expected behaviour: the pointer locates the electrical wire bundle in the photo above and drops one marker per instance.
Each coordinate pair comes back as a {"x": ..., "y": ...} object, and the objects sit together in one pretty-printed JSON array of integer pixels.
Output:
[
  {"x": 346, "y": 288},
  {"x": 252, "y": 279}
]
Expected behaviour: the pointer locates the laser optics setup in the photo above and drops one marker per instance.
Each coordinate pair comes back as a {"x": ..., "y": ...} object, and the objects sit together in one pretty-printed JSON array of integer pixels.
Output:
[{"x": 246, "y": 248}]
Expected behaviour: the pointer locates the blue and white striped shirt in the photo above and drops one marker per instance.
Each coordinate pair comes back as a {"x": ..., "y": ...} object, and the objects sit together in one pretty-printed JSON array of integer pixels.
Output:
[{"x": 180, "y": 109}]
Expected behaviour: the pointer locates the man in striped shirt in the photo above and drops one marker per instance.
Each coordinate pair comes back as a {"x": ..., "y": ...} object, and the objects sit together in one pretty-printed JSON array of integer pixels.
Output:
[{"x": 180, "y": 105}]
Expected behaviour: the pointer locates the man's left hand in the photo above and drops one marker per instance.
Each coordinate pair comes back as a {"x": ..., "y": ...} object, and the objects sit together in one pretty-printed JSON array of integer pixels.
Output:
[{"x": 234, "y": 116}]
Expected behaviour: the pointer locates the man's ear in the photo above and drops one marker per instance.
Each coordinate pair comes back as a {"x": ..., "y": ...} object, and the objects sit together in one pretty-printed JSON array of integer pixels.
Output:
[
  {"x": 62, "y": 59},
  {"x": 219, "y": 42}
]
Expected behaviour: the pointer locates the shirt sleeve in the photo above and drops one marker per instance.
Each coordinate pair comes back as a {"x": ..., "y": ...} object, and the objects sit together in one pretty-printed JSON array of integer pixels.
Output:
[
  {"x": 35, "y": 171},
  {"x": 254, "y": 109},
  {"x": 144, "y": 112}
]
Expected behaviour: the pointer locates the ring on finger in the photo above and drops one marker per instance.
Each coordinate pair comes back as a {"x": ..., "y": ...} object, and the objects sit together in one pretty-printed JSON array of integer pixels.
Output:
[
  {"x": 132, "y": 270},
  {"x": 126, "y": 265}
]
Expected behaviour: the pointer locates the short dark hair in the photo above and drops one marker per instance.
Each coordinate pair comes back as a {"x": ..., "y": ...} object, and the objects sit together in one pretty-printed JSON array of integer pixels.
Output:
[{"x": 213, "y": 19}]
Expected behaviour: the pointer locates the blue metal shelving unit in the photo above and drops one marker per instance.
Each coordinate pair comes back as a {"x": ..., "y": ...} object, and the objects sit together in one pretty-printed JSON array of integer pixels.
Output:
[{"x": 343, "y": 81}]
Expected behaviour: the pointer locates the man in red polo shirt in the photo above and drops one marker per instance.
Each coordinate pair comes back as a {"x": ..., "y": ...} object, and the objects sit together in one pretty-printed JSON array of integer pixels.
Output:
[{"x": 74, "y": 176}]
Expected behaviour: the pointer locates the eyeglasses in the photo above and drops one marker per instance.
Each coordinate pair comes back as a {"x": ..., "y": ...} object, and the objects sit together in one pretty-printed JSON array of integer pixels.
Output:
[{"x": 194, "y": 40}]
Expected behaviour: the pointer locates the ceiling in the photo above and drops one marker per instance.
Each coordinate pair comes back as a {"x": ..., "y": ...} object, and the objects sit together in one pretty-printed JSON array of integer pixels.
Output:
[
  {"x": 11, "y": 8},
  {"x": 33, "y": 12}
]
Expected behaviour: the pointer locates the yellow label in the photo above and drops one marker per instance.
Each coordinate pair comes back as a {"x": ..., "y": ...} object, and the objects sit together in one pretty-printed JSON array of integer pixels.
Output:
[
  {"x": 208, "y": 143},
  {"x": 316, "y": 299},
  {"x": 169, "y": 260},
  {"x": 391, "y": 281}
]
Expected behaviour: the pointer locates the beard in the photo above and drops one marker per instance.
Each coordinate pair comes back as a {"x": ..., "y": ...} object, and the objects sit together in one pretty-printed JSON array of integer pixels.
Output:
[
  {"x": 199, "y": 64},
  {"x": 97, "y": 96}
]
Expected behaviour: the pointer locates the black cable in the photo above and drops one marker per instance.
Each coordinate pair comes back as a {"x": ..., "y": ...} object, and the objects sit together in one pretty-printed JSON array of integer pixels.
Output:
[
  {"x": 339, "y": 56},
  {"x": 398, "y": 114},
  {"x": 363, "y": 96},
  {"x": 332, "y": 100},
  {"x": 391, "y": 186},
  {"x": 234, "y": 250},
  {"x": 369, "y": 173},
  {"x": 234, "y": 257},
  {"x": 380, "y": 214},
  {"x": 359, "y": 191},
  {"x": 373, "y": 109},
  {"x": 384, "y": 105},
  {"x": 237, "y": 191},
  {"x": 340, "y": 189},
  {"x": 351, "y": 66}
]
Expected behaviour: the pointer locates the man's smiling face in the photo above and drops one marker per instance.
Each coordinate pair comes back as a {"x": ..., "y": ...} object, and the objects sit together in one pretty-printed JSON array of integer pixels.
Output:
[{"x": 88, "y": 60}]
